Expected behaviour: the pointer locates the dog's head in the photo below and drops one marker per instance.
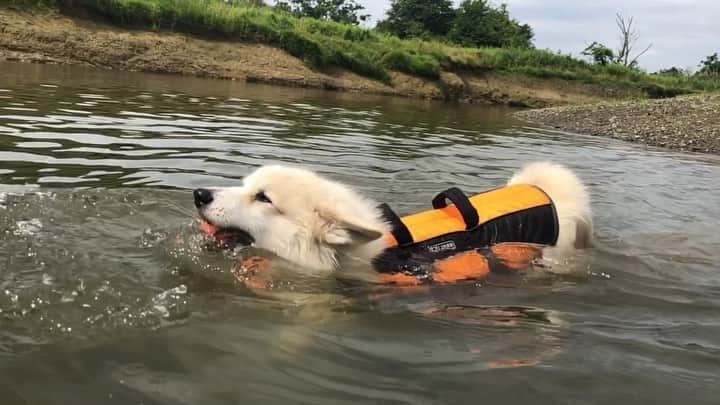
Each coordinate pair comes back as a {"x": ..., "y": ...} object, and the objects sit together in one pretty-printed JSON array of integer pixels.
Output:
[{"x": 296, "y": 214}]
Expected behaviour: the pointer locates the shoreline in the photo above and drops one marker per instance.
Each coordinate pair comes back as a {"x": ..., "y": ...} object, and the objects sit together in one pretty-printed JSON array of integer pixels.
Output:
[
  {"x": 684, "y": 123},
  {"x": 43, "y": 36}
]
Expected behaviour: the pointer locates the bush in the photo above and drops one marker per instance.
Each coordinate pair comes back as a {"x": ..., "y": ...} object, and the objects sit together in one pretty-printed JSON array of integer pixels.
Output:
[
  {"x": 345, "y": 11},
  {"x": 419, "y": 65},
  {"x": 711, "y": 65}
]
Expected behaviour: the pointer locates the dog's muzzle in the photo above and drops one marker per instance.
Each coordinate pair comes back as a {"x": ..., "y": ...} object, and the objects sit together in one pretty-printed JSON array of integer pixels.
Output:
[{"x": 227, "y": 237}]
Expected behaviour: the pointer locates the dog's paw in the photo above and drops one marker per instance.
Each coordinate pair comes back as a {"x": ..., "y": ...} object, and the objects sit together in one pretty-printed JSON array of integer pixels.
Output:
[{"x": 253, "y": 272}]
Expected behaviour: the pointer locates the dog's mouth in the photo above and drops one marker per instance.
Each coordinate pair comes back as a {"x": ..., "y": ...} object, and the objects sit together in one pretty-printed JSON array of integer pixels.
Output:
[{"x": 228, "y": 237}]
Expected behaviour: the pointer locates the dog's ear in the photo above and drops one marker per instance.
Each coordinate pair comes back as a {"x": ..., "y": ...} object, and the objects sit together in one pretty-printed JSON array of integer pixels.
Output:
[{"x": 340, "y": 229}]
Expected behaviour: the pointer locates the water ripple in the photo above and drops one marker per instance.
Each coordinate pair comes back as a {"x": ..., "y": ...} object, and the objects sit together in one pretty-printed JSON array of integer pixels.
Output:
[{"x": 105, "y": 282}]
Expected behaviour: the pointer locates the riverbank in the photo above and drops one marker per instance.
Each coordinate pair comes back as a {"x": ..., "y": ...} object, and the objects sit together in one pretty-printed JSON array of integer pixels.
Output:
[
  {"x": 49, "y": 36},
  {"x": 687, "y": 123}
]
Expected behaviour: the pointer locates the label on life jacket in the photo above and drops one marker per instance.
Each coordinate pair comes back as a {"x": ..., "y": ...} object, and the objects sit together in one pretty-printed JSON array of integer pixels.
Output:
[{"x": 516, "y": 214}]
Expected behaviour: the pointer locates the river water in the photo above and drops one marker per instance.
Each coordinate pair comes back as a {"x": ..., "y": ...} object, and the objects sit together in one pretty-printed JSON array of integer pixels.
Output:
[{"x": 108, "y": 296}]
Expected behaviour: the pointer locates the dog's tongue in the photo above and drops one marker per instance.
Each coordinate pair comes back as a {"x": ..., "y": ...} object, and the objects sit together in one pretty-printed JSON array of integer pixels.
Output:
[
  {"x": 227, "y": 237},
  {"x": 208, "y": 228}
]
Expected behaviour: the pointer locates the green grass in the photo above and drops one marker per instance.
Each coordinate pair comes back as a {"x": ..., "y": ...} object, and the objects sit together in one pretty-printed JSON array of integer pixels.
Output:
[{"x": 326, "y": 44}]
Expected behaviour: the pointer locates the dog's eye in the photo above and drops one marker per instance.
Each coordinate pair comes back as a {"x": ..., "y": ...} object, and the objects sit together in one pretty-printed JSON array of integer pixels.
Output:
[{"x": 262, "y": 197}]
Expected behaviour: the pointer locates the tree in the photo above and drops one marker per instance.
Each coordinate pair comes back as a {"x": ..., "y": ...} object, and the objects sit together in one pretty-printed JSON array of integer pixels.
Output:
[
  {"x": 675, "y": 72},
  {"x": 628, "y": 40},
  {"x": 477, "y": 23},
  {"x": 527, "y": 32},
  {"x": 710, "y": 66},
  {"x": 418, "y": 18},
  {"x": 600, "y": 54},
  {"x": 345, "y": 11},
  {"x": 245, "y": 3},
  {"x": 603, "y": 55}
]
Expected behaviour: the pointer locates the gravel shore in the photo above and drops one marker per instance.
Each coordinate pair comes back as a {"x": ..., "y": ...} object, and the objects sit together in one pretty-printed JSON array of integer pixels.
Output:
[{"x": 689, "y": 123}]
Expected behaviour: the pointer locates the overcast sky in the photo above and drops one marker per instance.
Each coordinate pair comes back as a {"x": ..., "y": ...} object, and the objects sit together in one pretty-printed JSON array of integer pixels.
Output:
[{"x": 682, "y": 32}]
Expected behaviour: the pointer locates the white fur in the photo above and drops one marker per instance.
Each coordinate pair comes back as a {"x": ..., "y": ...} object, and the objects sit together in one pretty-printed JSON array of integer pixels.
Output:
[
  {"x": 311, "y": 220},
  {"x": 317, "y": 223},
  {"x": 570, "y": 198}
]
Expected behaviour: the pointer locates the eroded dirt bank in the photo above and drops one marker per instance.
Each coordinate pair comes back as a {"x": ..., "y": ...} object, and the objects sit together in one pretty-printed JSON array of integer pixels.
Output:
[{"x": 49, "y": 37}]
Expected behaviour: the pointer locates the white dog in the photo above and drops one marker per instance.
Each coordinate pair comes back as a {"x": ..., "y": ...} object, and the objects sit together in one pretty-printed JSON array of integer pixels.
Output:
[{"x": 318, "y": 223}]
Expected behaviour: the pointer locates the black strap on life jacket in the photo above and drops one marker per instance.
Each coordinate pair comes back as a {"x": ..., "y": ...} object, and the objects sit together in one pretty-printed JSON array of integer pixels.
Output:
[
  {"x": 399, "y": 231},
  {"x": 462, "y": 203}
]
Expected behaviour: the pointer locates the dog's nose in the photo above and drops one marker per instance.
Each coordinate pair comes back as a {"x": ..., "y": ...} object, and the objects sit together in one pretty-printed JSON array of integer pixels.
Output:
[{"x": 202, "y": 197}]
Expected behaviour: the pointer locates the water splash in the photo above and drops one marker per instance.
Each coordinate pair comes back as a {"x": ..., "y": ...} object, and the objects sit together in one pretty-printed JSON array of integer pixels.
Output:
[{"x": 27, "y": 227}]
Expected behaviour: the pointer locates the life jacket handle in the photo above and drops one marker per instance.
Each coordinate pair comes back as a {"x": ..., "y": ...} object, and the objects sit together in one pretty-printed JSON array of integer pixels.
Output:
[
  {"x": 398, "y": 229},
  {"x": 461, "y": 202}
]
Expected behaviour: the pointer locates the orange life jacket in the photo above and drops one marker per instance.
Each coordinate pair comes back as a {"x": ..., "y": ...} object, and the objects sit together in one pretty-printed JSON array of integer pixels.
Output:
[{"x": 464, "y": 239}]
